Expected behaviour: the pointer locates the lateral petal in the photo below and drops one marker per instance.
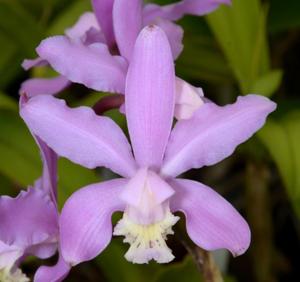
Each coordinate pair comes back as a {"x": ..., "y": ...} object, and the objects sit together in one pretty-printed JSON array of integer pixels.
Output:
[
  {"x": 85, "y": 222},
  {"x": 213, "y": 133},
  {"x": 79, "y": 134},
  {"x": 44, "y": 86},
  {"x": 176, "y": 11},
  {"x": 90, "y": 65},
  {"x": 28, "y": 220},
  {"x": 212, "y": 222}
]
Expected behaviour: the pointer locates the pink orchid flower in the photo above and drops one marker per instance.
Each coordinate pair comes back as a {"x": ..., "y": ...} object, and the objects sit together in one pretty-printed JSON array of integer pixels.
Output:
[
  {"x": 149, "y": 192},
  {"x": 29, "y": 222},
  {"x": 96, "y": 51}
]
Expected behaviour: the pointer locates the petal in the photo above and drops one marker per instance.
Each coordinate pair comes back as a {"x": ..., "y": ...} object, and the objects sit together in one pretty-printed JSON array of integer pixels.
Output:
[
  {"x": 150, "y": 96},
  {"x": 43, "y": 250},
  {"x": 84, "y": 24},
  {"x": 174, "y": 33},
  {"x": 212, "y": 222},
  {"x": 79, "y": 134},
  {"x": 44, "y": 86},
  {"x": 38, "y": 62},
  {"x": 9, "y": 254},
  {"x": 27, "y": 220},
  {"x": 48, "y": 181},
  {"x": 188, "y": 99},
  {"x": 176, "y": 11},
  {"x": 91, "y": 65},
  {"x": 103, "y": 10},
  {"x": 127, "y": 20},
  {"x": 49, "y": 176},
  {"x": 55, "y": 273},
  {"x": 213, "y": 133},
  {"x": 85, "y": 223}
]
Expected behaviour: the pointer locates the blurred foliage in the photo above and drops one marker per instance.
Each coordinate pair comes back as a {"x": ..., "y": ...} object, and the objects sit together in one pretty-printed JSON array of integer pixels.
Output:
[{"x": 233, "y": 50}]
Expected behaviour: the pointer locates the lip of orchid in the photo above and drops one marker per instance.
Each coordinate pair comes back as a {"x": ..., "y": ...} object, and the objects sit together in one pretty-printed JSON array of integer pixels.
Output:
[{"x": 158, "y": 150}]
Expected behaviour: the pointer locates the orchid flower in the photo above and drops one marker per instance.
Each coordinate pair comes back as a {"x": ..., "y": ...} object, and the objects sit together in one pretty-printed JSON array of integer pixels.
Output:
[
  {"x": 29, "y": 222},
  {"x": 101, "y": 62},
  {"x": 149, "y": 192},
  {"x": 85, "y": 31}
]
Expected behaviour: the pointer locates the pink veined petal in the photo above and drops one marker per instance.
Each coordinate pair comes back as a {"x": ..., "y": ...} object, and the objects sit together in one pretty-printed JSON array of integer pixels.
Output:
[
  {"x": 213, "y": 133},
  {"x": 49, "y": 176},
  {"x": 30, "y": 63},
  {"x": 127, "y": 20},
  {"x": 55, "y": 273},
  {"x": 103, "y": 11},
  {"x": 79, "y": 134},
  {"x": 150, "y": 96},
  {"x": 85, "y": 222},
  {"x": 212, "y": 222},
  {"x": 176, "y": 11},
  {"x": 90, "y": 65},
  {"x": 84, "y": 24},
  {"x": 48, "y": 181},
  {"x": 174, "y": 33},
  {"x": 44, "y": 86},
  {"x": 27, "y": 220}
]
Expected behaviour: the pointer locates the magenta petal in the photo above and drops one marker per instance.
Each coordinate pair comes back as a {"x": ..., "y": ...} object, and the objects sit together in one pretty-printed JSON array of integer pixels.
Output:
[
  {"x": 85, "y": 223},
  {"x": 150, "y": 96},
  {"x": 127, "y": 18},
  {"x": 213, "y": 133},
  {"x": 84, "y": 24},
  {"x": 176, "y": 11},
  {"x": 79, "y": 134},
  {"x": 48, "y": 181},
  {"x": 90, "y": 65},
  {"x": 44, "y": 86},
  {"x": 27, "y": 220},
  {"x": 174, "y": 33},
  {"x": 52, "y": 274},
  {"x": 212, "y": 222},
  {"x": 103, "y": 10},
  {"x": 28, "y": 64}
]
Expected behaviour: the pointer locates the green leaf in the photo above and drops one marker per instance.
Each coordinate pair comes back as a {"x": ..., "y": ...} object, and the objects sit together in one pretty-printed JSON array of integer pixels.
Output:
[
  {"x": 19, "y": 26},
  {"x": 7, "y": 102},
  {"x": 72, "y": 177},
  {"x": 20, "y": 159},
  {"x": 281, "y": 137},
  {"x": 240, "y": 31},
  {"x": 284, "y": 15},
  {"x": 69, "y": 17},
  {"x": 201, "y": 59},
  {"x": 267, "y": 84}
]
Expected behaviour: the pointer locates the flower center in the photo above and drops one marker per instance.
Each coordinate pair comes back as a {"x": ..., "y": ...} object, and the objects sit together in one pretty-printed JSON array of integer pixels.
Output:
[
  {"x": 6, "y": 275},
  {"x": 147, "y": 242},
  {"x": 147, "y": 219}
]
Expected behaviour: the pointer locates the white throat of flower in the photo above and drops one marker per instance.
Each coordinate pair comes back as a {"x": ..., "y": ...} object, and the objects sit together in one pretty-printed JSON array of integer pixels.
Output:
[
  {"x": 147, "y": 219},
  {"x": 8, "y": 275}
]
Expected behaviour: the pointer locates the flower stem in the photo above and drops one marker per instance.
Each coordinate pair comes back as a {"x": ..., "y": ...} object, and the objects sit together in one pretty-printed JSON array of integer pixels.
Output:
[
  {"x": 108, "y": 103},
  {"x": 210, "y": 270},
  {"x": 205, "y": 263}
]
